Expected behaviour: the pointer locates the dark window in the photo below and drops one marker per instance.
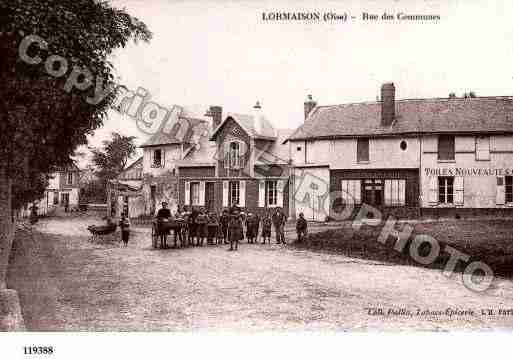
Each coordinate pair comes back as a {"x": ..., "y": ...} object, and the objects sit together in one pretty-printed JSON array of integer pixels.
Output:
[
  {"x": 299, "y": 148},
  {"x": 446, "y": 147},
  {"x": 446, "y": 189},
  {"x": 362, "y": 150},
  {"x": 373, "y": 192},
  {"x": 403, "y": 145},
  {"x": 157, "y": 158},
  {"x": 509, "y": 189}
]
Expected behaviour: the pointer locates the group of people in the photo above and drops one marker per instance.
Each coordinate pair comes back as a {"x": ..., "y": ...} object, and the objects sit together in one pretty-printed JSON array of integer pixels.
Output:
[{"x": 194, "y": 227}]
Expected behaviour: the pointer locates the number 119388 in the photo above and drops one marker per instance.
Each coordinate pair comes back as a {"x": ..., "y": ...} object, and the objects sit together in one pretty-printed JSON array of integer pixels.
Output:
[{"x": 38, "y": 350}]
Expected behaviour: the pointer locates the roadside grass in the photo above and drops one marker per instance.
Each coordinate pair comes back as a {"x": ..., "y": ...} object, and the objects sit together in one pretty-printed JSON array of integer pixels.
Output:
[{"x": 489, "y": 241}]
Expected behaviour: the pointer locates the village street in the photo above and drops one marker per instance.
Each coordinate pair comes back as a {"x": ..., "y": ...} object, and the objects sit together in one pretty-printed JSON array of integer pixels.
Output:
[{"x": 68, "y": 283}]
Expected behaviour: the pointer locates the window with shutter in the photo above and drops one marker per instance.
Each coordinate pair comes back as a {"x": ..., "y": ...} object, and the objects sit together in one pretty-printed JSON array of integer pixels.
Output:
[
  {"x": 234, "y": 193},
  {"x": 195, "y": 193},
  {"x": 271, "y": 191},
  {"x": 446, "y": 190}
]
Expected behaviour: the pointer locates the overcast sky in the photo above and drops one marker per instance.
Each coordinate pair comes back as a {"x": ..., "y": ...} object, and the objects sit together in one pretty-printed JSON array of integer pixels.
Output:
[{"x": 222, "y": 53}]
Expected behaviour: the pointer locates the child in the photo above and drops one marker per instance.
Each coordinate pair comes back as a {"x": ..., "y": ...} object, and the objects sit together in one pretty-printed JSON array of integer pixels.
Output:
[
  {"x": 124, "y": 224},
  {"x": 213, "y": 227},
  {"x": 201, "y": 223},
  {"x": 301, "y": 227},
  {"x": 266, "y": 227}
]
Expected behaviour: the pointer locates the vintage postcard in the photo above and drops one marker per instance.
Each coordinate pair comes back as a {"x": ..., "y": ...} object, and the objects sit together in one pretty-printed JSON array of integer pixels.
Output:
[{"x": 277, "y": 167}]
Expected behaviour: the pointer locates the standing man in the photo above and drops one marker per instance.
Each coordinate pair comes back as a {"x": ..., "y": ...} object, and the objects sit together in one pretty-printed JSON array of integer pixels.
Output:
[
  {"x": 223, "y": 223},
  {"x": 279, "y": 221},
  {"x": 163, "y": 216},
  {"x": 235, "y": 229},
  {"x": 301, "y": 227}
]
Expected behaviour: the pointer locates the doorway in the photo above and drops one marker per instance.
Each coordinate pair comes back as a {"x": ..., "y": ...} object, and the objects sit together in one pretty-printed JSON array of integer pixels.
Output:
[{"x": 373, "y": 192}]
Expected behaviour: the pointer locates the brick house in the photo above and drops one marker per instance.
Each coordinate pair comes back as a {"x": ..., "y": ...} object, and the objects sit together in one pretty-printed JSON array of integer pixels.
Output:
[
  {"x": 244, "y": 162},
  {"x": 440, "y": 156}
]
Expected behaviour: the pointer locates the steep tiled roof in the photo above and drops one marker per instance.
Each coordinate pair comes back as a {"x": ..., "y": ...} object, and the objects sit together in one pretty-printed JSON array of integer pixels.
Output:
[
  {"x": 441, "y": 115},
  {"x": 202, "y": 154},
  {"x": 277, "y": 152},
  {"x": 247, "y": 122},
  {"x": 167, "y": 136}
]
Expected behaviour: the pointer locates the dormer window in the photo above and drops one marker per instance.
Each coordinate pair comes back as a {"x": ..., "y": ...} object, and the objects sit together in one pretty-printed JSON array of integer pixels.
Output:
[{"x": 70, "y": 178}]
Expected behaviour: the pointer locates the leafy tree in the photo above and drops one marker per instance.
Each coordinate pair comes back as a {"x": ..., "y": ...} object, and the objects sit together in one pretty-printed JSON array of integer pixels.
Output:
[
  {"x": 43, "y": 118},
  {"x": 110, "y": 160}
]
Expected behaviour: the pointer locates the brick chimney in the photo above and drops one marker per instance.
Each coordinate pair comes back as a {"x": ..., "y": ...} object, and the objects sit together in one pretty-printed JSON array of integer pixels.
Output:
[
  {"x": 387, "y": 104},
  {"x": 216, "y": 112},
  {"x": 309, "y": 105}
]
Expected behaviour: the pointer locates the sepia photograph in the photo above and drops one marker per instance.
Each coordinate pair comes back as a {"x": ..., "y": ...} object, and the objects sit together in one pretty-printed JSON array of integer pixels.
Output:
[{"x": 268, "y": 168}]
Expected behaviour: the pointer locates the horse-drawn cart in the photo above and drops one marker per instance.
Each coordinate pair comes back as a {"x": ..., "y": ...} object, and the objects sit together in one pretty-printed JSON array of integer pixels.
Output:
[{"x": 161, "y": 228}]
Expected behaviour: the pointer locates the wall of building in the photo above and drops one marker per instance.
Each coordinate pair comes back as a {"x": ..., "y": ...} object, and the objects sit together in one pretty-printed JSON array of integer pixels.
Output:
[
  {"x": 231, "y": 131},
  {"x": 341, "y": 153},
  {"x": 252, "y": 193},
  {"x": 479, "y": 191},
  {"x": 170, "y": 154},
  {"x": 197, "y": 171},
  {"x": 411, "y": 176},
  {"x": 54, "y": 181}
]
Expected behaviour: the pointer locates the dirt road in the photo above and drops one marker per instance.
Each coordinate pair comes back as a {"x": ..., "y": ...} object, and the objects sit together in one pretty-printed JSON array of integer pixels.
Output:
[{"x": 67, "y": 283}]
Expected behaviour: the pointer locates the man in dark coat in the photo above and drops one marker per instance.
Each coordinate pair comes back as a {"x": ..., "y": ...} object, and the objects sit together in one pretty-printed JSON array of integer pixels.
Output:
[
  {"x": 301, "y": 227},
  {"x": 163, "y": 215},
  {"x": 279, "y": 221},
  {"x": 235, "y": 229},
  {"x": 223, "y": 222}
]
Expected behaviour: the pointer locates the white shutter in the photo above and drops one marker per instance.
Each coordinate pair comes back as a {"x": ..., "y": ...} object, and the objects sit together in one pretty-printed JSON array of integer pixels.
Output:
[
  {"x": 402, "y": 192},
  {"x": 280, "y": 185},
  {"x": 187, "y": 197},
  {"x": 225, "y": 193},
  {"x": 458, "y": 190},
  {"x": 388, "y": 193},
  {"x": 226, "y": 155},
  {"x": 242, "y": 193},
  {"x": 345, "y": 190},
  {"x": 500, "y": 197},
  {"x": 243, "y": 147},
  {"x": 202, "y": 193},
  {"x": 433, "y": 190},
  {"x": 163, "y": 157},
  {"x": 357, "y": 191},
  {"x": 261, "y": 193}
]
